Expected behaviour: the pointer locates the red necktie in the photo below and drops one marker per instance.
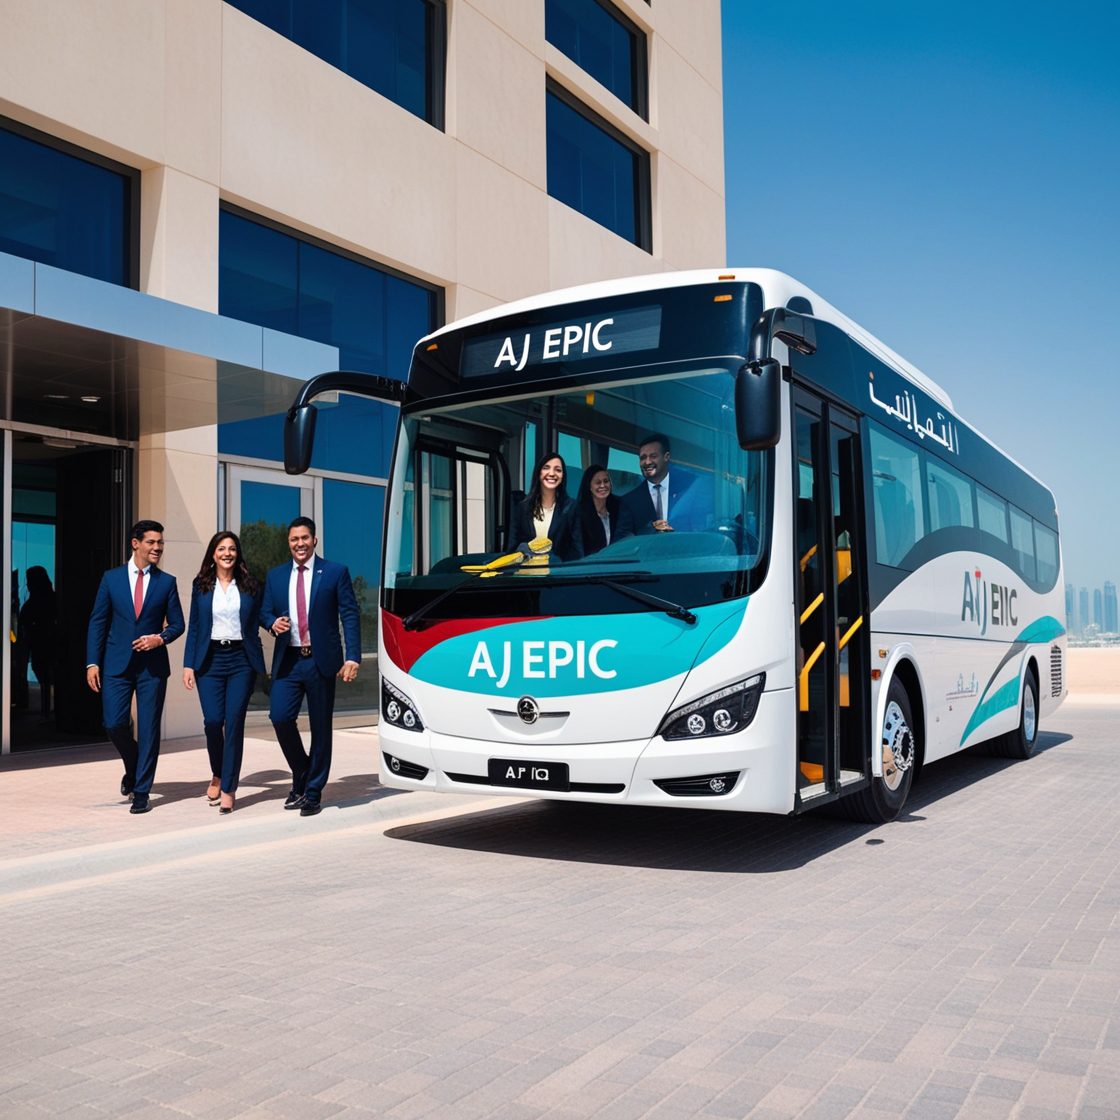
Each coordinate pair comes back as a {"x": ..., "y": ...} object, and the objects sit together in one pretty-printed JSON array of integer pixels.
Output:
[
  {"x": 301, "y": 606},
  {"x": 138, "y": 594}
]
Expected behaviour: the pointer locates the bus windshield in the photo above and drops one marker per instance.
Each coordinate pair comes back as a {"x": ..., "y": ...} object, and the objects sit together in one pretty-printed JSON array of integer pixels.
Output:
[{"x": 457, "y": 529}]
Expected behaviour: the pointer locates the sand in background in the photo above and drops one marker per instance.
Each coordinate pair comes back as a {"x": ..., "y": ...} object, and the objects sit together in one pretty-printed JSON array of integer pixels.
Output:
[{"x": 1094, "y": 671}]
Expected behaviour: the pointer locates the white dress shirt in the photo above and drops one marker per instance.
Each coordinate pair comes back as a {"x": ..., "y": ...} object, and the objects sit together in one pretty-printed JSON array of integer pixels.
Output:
[
  {"x": 132, "y": 573},
  {"x": 664, "y": 496},
  {"x": 226, "y": 613},
  {"x": 293, "y": 614}
]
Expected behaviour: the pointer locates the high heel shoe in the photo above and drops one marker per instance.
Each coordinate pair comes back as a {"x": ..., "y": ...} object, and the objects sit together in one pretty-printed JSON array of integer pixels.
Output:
[
  {"x": 214, "y": 790},
  {"x": 226, "y": 808}
]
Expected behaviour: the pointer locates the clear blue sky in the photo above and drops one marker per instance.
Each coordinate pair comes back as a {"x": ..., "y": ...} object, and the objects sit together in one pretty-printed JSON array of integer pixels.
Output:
[{"x": 949, "y": 176}]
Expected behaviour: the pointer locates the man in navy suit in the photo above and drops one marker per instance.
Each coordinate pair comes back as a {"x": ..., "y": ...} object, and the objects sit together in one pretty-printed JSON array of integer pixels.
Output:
[
  {"x": 666, "y": 498},
  {"x": 303, "y": 603},
  {"x": 136, "y": 615}
]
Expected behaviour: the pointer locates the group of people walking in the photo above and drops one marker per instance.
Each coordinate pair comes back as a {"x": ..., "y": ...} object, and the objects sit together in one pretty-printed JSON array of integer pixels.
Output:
[{"x": 137, "y": 614}]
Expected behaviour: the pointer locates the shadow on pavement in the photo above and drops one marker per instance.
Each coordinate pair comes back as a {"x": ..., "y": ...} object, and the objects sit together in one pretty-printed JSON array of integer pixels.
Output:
[{"x": 688, "y": 839}]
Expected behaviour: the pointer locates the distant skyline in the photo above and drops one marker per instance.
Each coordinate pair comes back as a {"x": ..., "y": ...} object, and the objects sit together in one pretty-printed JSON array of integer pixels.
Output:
[{"x": 948, "y": 176}]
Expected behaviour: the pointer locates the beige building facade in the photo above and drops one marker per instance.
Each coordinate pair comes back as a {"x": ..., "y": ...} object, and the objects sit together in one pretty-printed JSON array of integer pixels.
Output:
[{"x": 211, "y": 116}]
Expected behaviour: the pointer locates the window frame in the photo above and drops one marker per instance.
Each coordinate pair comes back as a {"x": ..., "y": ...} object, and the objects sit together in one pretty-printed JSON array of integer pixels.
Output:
[
  {"x": 131, "y": 175},
  {"x": 643, "y": 202},
  {"x": 435, "y": 79},
  {"x": 639, "y": 71}
]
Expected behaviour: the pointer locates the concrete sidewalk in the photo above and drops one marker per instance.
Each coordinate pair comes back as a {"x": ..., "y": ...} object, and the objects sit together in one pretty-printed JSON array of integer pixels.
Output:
[{"x": 68, "y": 798}]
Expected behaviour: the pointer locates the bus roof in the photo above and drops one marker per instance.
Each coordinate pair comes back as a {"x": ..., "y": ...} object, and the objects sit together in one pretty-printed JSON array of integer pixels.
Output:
[{"x": 778, "y": 289}]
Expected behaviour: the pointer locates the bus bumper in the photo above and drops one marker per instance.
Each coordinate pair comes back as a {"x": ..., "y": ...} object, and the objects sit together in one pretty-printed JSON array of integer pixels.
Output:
[{"x": 761, "y": 758}]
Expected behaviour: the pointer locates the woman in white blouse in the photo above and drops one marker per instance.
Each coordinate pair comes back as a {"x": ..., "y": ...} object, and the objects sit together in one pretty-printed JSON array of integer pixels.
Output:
[{"x": 223, "y": 656}]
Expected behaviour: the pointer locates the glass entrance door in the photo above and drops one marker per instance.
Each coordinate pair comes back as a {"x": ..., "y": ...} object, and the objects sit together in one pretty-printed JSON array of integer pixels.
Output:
[
  {"x": 66, "y": 506},
  {"x": 833, "y": 657}
]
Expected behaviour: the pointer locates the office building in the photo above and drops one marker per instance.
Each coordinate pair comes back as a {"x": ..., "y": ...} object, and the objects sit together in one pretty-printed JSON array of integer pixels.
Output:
[
  {"x": 1110, "y": 619},
  {"x": 202, "y": 203}
]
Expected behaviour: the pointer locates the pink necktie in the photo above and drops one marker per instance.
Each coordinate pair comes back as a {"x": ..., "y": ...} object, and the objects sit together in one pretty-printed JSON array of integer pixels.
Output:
[
  {"x": 301, "y": 606},
  {"x": 138, "y": 594}
]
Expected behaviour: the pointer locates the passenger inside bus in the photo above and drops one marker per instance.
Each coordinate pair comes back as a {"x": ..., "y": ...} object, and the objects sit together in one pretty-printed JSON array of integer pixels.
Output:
[
  {"x": 548, "y": 512},
  {"x": 603, "y": 517}
]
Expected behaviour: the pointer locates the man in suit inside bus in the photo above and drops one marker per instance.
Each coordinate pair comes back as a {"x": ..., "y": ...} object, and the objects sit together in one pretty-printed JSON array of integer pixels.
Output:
[
  {"x": 304, "y": 601},
  {"x": 135, "y": 616},
  {"x": 668, "y": 497}
]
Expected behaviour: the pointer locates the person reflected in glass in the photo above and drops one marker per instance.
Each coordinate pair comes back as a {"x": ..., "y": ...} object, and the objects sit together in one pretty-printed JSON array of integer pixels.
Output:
[
  {"x": 38, "y": 619},
  {"x": 223, "y": 656},
  {"x": 603, "y": 518},
  {"x": 548, "y": 511}
]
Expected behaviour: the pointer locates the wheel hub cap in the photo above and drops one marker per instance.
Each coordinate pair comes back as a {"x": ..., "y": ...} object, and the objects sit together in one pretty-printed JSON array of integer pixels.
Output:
[{"x": 898, "y": 747}]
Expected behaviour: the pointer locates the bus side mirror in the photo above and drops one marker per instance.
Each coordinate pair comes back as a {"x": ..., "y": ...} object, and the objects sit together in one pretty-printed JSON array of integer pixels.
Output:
[
  {"x": 758, "y": 403},
  {"x": 299, "y": 438}
]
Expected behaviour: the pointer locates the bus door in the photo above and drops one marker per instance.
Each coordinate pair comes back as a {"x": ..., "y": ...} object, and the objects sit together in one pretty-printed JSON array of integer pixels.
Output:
[{"x": 833, "y": 692}]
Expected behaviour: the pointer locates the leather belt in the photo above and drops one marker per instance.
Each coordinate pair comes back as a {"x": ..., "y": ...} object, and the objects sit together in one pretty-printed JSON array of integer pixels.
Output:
[
  {"x": 305, "y": 651},
  {"x": 227, "y": 643}
]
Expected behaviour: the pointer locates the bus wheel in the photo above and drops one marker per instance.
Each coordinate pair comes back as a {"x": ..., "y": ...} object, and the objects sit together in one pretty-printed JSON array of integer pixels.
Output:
[
  {"x": 1021, "y": 742},
  {"x": 882, "y": 801}
]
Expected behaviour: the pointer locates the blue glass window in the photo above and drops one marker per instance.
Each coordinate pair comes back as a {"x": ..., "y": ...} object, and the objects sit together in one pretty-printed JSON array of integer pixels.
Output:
[
  {"x": 595, "y": 170},
  {"x": 63, "y": 210},
  {"x": 276, "y": 280},
  {"x": 395, "y": 47},
  {"x": 598, "y": 38}
]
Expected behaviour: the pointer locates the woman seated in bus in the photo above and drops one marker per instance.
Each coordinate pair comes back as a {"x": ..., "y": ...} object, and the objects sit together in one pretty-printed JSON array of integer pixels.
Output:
[
  {"x": 222, "y": 657},
  {"x": 549, "y": 512},
  {"x": 602, "y": 516}
]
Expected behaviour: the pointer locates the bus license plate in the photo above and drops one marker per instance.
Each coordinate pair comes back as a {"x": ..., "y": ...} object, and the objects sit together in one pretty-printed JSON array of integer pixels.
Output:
[{"x": 528, "y": 775}]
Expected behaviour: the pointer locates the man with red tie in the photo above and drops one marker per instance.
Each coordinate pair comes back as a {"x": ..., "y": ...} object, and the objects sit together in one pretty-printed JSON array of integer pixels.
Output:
[
  {"x": 303, "y": 604},
  {"x": 135, "y": 616}
]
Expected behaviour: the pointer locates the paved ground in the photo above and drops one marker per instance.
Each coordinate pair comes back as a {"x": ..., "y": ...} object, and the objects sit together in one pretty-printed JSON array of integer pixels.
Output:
[{"x": 409, "y": 956}]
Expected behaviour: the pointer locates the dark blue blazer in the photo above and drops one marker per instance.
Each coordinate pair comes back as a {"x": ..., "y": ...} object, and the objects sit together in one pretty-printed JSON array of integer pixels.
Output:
[
  {"x": 564, "y": 532},
  {"x": 331, "y": 598},
  {"x": 196, "y": 653},
  {"x": 690, "y": 503},
  {"x": 621, "y": 519},
  {"x": 113, "y": 625}
]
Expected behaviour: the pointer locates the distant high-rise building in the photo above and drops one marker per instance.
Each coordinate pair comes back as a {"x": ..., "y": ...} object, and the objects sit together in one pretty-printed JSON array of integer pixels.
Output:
[
  {"x": 1071, "y": 609},
  {"x": 1083, "y": 610},
  {"x": 1098, "y": 607},
  {"x": 1110, "y": 620}
]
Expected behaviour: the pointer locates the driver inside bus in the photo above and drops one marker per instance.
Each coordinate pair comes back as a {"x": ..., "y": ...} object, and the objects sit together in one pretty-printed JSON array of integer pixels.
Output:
[{"x": 668, "y": 497}]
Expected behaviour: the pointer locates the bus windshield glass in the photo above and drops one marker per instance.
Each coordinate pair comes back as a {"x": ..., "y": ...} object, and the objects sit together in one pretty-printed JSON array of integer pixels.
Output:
[{"x": 461, "y": 540}]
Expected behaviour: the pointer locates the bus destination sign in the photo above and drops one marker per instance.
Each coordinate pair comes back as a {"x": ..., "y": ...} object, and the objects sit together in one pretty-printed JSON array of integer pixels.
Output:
[{"x": 569, "y": 341}]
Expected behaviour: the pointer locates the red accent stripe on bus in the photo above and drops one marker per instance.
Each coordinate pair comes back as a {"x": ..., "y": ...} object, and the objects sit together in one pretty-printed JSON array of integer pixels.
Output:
[{"x": 405, "y": 647}]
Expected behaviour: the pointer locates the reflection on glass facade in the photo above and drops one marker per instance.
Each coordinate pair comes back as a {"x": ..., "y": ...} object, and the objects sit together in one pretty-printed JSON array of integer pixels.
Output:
[
  {"x": 595, "y": 36},
  {"x": 395, "y": 47},
  {"x": 592, "y": 170},
  {"x": 62, "y": 210},
  {"x": 277, "y": 280}
]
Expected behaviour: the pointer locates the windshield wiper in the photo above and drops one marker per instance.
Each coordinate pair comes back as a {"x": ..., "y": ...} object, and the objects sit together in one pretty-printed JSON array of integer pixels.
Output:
[
  {"x": 410, "y": 622},
  {"x": 673, "y": 610}
]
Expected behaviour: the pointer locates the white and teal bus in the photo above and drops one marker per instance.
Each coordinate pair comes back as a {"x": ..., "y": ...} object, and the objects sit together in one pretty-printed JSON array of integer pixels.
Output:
[{"x": 867, "y": 584}]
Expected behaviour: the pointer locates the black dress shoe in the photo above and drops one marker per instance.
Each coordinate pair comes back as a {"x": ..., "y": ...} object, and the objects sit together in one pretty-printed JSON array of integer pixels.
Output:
[
  {"x": 294, "y": 801},
  {"x": 140, "y": 804},
  {"x": 126, "y": 786},
  {"x": 310, "y": 808}
]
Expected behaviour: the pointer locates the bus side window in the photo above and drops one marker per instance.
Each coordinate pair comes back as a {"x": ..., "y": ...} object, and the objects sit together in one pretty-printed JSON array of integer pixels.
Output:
[{"x": 897, "y": 493}]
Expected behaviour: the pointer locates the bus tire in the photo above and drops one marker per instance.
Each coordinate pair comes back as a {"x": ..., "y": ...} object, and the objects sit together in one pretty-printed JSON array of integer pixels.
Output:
[
  {"x": 1021, "y": 742},
  {"x": 883, "y": 799}
]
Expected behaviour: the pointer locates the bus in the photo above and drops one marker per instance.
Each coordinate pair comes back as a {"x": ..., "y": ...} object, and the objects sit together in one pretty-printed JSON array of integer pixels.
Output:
[{"x": 849, "y": 580}]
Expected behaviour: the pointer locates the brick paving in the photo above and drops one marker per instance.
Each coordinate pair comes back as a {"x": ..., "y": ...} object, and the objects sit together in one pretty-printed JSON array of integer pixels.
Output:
[{"x": 413, "y": 956}]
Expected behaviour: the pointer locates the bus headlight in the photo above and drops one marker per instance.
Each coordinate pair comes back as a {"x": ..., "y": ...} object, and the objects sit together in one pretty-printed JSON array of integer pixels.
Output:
[
  {"x": 397, "y": 709},
  {"x": 719, "y": 713}
]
